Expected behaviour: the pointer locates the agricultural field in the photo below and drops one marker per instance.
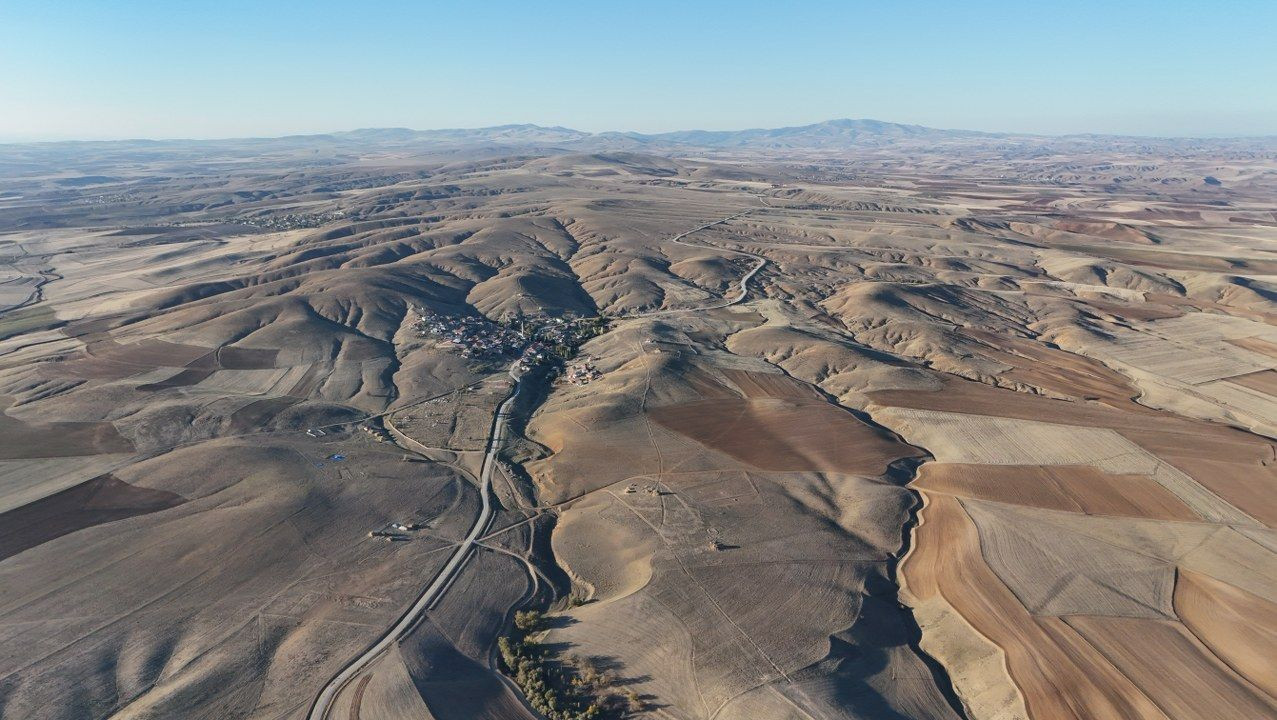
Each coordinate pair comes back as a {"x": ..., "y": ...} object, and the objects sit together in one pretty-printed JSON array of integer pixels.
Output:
[{"x": 405, "y": 425}]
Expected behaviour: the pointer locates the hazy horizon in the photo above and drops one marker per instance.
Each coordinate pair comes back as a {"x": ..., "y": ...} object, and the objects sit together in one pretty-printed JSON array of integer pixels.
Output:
[
  {"x": 4, "y": 140},
  {"x": 142, "y": 69},
  {"x": 889, "y": 361}
]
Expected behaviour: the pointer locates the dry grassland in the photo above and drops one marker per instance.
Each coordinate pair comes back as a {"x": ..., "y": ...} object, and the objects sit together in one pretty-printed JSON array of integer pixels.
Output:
[{"x": 1045, "y": 367}]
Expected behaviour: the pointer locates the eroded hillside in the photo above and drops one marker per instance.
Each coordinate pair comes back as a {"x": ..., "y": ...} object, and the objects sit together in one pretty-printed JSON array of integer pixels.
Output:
[{"x": 891, "y": 434}]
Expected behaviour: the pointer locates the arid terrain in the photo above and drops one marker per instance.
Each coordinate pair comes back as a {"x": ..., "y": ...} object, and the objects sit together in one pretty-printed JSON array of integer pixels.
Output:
[{"x": 853, "y": 420}]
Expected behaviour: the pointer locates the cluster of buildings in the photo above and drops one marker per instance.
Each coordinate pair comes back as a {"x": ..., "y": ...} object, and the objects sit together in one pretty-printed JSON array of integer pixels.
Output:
[
  {"x": 648, "y": 489},
  {"x": 562, "y": 333},
  {"x": 107, "y": 199},
  {"x": 534, "y": 354},
  {"x": 291, "y": 221},
  {"x": 533, "y": 340},
  {"x": 476, "y": 337},
  {"x": 581, "y": 373}
]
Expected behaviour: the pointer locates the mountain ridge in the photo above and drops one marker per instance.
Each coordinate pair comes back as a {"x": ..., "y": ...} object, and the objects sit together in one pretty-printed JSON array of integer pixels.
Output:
[{"x": 841, "y": 134}]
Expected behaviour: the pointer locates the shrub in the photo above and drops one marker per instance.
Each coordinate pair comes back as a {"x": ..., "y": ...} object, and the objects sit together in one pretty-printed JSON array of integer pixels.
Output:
[
  {"x": 633, "y": 702},
  {"x": 528, "y": 620}
]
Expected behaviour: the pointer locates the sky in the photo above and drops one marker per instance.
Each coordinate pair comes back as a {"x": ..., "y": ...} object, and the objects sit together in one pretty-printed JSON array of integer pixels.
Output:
[{"x": 74, "y": 69}]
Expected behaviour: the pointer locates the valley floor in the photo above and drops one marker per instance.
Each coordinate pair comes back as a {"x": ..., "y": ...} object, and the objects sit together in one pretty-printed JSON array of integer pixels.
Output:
[{"x": 885, "y": 436}]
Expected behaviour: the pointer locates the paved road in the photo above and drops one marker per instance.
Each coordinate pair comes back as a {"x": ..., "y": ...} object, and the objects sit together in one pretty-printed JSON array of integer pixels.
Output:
[
  {"x": 496, "y": 438},
  {"x": 323, "y": 703}
]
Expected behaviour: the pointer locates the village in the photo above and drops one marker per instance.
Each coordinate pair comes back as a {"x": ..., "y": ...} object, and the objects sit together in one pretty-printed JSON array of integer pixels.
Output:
[
  {"x": 581, "y": 372},
  {"x": 459, "y": 419},
  {"x": 535, "y": 340}
]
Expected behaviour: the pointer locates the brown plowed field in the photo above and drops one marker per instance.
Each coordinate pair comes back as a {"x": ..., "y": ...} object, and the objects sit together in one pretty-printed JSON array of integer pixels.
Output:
[
  {"x": 101, "y": 500},
  {"x": 1255, "y": 345},
  {"x": 1237, "y": 626},
  {"x": 20, "y": 439},
  {"x": 1082, "y": 489},
  {"x": 772, "y": 434},
  {"x": 1060, "y": 674},
  {"x": 1264, "y": 381},
  {"x": 1177, "y": 672}
]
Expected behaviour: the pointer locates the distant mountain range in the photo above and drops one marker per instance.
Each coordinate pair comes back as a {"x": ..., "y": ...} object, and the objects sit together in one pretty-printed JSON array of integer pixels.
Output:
[{"x": 831, "y": 136}]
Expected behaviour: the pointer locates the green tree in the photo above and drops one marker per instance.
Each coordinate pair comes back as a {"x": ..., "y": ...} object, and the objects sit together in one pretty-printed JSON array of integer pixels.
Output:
[
  {"x": 509, "y": 652},
  {"x": 528, "y": 620}
]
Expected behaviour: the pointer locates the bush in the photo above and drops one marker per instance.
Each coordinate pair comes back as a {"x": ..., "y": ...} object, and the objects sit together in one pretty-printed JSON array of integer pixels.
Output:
[
  {"x": 633, "y": 702},
  {"x": 528, "y": 620}
]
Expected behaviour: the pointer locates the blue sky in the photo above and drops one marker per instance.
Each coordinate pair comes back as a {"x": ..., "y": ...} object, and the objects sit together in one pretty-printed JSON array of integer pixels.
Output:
[{"x": 135, "y": 68}]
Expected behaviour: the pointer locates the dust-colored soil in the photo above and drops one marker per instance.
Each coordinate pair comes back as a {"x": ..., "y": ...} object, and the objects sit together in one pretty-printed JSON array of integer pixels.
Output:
[
  {"x": 1264, "y": 381},
  {"x": 1058, "y": 672},
  {"x": 185, "y": 378},
  {"x": 1055, "y": 356},
  {"x": 20, "y": 440},
  {"x": 1237, "y": 626},
  {"x": 1062, "y": 373},
  {"x": 1080, "y": 489},
  {"x": 783, "y": 435},
  {"x": 101, "y": 500},
  {"x": 1103, "y": 597},
  {"x": 768, "y": 385}
]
